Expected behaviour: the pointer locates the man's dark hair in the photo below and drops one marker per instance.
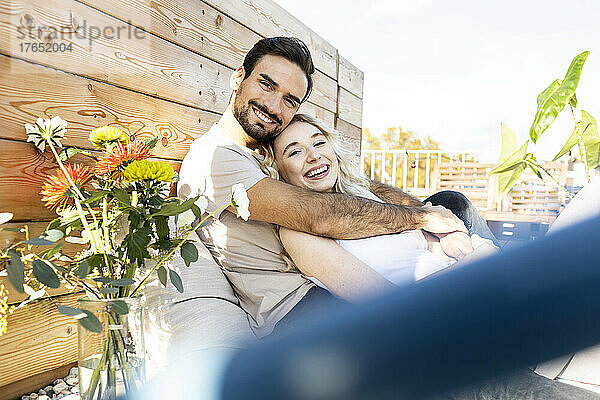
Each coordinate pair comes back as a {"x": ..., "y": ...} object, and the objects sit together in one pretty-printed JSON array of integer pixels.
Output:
[{"x": 290, "y": 48}]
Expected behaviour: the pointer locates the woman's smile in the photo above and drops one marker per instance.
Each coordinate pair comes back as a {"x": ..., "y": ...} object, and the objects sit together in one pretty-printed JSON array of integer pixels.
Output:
[{"x": 318, "y": 172}]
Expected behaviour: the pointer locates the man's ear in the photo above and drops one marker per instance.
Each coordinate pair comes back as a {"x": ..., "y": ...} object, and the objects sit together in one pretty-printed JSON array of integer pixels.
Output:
[{"x": 237, "y": 77}]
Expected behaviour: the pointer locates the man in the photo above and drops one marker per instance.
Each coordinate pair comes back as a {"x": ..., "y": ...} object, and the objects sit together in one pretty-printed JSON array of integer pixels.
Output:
[{"x": 268, "y": 88}]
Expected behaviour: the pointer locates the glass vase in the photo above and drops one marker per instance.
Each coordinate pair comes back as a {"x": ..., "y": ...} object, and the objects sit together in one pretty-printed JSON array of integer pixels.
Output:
[{"x": 111, "y": 363}]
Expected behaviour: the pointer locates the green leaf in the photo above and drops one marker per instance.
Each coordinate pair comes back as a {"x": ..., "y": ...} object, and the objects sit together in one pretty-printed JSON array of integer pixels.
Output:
[
  {"x": 588, "y": 130},
  {"x": 122, "y": 197},
  {"x": 45, "y": 274},
  {"x": 69, "y": 152},
  {"x": 16, "y": 271},
  {"x": 71, "y": 312},
  {"x": 511, "y": 165},
  {"x": 120, "y": 307},
  {"x": 90, "y": 322},
  {"x": 48, "y": 254},
  {"x": 137, "y": 244},
  {"x": 162, "y": 275},
  {"x": 173, "y": 207},
  {"x": 76, "y": 240},
  {"x": 152, "y": 142},
  {"x": 95, "y": 196},
  {"x": 103, "y": 279},
  {"x": 573, "y": 101},
  {"x": 47, "y": 238},
  {"x": 176, "y": 280},
  {"x": 123, "y": 282},
  {"x": 552, "y": 100},
  {"x": 83, "y": 269},
  {"x": 162, "y": 226},
  {"x": 10, "y": 229},
  {"x": 532, "y": 163},
  {"x": 189, "y": 252},
  {"x": 109, "y": 290},
  {"x": 197, "y": 211}
]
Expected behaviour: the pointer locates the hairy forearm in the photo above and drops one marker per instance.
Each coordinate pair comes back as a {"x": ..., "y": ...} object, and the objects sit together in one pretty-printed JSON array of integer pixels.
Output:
[{"x": 393, "y": 195}]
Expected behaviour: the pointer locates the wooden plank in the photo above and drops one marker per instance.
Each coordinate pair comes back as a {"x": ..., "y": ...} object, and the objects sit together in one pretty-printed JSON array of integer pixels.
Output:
[
  {"x": 353, "y": 134},
  {"x": 326, "y": 116},
  {"x": 30, "y": 384},
  {"x": 145, "y": 63},
  {"x": 202, "y": 29},
  {"x": 39, "y": 339},
  {"x": 22, "y": 172},
  {"x": 349, "y": 107},
  {"x": 350, "y": 77},
  {"x": 86, "y": 104},
  {"x": 268, "y": 19}
]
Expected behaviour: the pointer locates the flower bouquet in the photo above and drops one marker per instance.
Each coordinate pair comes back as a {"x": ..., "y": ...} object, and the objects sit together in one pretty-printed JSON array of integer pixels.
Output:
[{"x": 119, "y": 210}]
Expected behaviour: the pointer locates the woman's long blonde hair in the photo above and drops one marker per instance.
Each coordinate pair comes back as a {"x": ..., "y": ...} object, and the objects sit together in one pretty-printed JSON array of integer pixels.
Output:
[{"x": 349, "y": 179}]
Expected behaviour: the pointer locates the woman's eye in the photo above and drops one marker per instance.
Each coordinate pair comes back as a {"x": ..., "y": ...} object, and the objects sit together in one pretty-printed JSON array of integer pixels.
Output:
[
  {"x": 294, "y": 152},
  {"x": 320, "y": 143}
]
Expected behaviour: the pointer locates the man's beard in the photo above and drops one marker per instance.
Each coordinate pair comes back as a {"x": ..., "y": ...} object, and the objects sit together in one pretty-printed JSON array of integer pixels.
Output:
[{"x": 256, "y": 131}]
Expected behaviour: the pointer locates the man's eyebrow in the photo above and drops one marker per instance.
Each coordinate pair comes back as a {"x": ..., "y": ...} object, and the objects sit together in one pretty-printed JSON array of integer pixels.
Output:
[{"x": 275, "y": 84}]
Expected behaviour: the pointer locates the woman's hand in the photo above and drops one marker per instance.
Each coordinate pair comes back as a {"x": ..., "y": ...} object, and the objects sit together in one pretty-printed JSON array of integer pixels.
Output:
[{"x": 456, "y": 244}]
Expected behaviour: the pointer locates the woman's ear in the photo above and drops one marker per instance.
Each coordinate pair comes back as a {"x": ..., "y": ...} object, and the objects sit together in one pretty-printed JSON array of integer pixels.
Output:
[{"x": 237, "y": 77}]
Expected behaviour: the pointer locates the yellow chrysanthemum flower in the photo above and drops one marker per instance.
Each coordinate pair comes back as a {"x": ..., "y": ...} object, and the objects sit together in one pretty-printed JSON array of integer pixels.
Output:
[
  {"x": 105, "y": 136},
  {"x": 143, "y": 170}
]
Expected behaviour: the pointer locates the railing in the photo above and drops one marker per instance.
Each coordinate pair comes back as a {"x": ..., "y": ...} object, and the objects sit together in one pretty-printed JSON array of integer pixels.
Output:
[{"x": 409, "y": 170}]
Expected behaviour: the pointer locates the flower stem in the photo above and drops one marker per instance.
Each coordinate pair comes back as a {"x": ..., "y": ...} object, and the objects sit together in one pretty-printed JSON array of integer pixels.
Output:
[{"x": 166, "y": 257}]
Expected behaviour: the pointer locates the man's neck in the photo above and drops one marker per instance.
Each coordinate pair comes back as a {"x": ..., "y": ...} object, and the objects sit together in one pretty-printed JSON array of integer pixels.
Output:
[{"x": 234, "y": 131}]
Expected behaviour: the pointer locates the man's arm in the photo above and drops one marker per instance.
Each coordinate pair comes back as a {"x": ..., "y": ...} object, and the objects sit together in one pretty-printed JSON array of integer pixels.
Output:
[
  {"x": 338, "y": 215},
  {"x": 393, "y": 195}
]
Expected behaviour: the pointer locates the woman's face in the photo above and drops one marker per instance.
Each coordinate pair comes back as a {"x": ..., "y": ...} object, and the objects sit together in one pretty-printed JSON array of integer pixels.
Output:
[{"x": 306, "y": 158}]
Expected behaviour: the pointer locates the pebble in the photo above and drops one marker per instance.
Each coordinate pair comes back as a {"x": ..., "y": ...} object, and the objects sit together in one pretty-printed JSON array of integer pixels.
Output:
[
  {"x": 65, "y": 392},
  {"x": 41, "y": 391},
  {"x": 72, "y": 381},
  {"x": 60, "y": 386},
  {"x": 74, "y": 389},
  {"x": 25, "y": 397},
  {"x": 43, "y": 397},
  {"x": 47, "y": 388},
  {"x": 74, "y": 371},
  {"x": 33, "y": 396}
]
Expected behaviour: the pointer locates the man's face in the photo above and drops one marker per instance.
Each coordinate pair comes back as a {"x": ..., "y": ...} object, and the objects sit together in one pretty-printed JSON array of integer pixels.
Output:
[{"x": 268, "y": 98}]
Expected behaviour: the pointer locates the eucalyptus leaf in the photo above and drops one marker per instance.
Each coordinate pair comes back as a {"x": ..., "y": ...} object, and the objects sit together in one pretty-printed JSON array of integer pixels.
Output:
[
  {"x": 552, "y": 100},
  {"x": 162, "y": 275},
  {"x": 83, "y": 269},
  {"x": 189, "y": 252},
  {"x": 71, "y": 312},
  {"x": 103, "y": 279},
  {"x": 176, "y": 280},
  {"x": 77, "y": 240},
  {"x": 45, "y": 274},
  {"x": 120, "y": 307},
  {"x": 90, "y": 322},
  {"x": 39, "y": 241},
  {"x": 16, "y": 271},
  {"x": 16, "y": 230},
  {"x": 109, "y": 290},
  {"x": 123, "y": 282}
]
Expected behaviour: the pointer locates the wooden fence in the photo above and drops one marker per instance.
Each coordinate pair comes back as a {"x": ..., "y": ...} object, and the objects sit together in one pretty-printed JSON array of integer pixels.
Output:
[{"x": 149, "y": 67}]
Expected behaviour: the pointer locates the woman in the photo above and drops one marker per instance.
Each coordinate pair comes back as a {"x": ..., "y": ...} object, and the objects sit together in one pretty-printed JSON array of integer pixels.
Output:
[{"x": 308, "y": 155}]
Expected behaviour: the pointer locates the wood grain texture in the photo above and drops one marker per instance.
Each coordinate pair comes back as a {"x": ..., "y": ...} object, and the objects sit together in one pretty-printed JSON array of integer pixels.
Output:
[
  {"x": 32, "y": 383},
  {"x": 349, "y": 107},
  {"x": 145, "y": 63},
  {"x": 22, "y": 173},
  {"x": 324, "y": 115},
  {"x": 86, "y": 104},
  {"x": 203, "y": 29},
  {"x": 269, "y": 19},
  {"x": 352, "y": 134},
  {"x": 38, "y": 339},
  {"x": 350, "y": 77}
]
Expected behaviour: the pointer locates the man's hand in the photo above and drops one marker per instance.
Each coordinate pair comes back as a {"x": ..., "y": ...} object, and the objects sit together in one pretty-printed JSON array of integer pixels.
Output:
[
  {"x": 441, "y": 220},
  {"x": 456, "y": 244}
]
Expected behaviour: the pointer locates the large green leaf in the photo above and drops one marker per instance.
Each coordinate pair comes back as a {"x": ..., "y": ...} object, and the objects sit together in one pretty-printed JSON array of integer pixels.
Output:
[
  {"x": 176, "y": 280},
  {"x": 119, "y": 306},
  {"x": 588, "y": 130},
  {"x": 16, "y": 271},
  {"x": 90, "y": 322},
  {"x": 189, "y": 253},
  {"x": 45, "y": 274},
  {"x": 162, "y": 275},
  {"x": 83, "y": 269},
  {"x": 555, "y": 97},
  {"x": 512, "y": 163},
  {"x": 173, "y": 207},
  {"x": 122, "y": 282},
  {"x": 137, "y": 244},
  {"x": 47, "y": 238}
]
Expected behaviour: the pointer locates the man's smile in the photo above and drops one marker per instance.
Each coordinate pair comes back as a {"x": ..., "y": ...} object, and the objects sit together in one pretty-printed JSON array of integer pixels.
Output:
[{"x": 260, "y": 115}]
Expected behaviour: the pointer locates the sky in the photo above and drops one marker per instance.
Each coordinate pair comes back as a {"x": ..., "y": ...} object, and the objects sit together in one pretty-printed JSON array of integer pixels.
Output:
[{"x": 454, "y": 70}]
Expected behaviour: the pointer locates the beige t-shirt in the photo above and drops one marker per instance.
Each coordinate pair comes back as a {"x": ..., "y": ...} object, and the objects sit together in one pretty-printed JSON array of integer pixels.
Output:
[{"x": 247, "y": 251}]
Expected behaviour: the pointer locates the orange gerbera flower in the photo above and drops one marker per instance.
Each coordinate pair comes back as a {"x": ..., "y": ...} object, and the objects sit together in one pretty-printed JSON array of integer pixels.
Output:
[
  {"x": 118, "y": 157},
  {"x": 57, "y": 190}
]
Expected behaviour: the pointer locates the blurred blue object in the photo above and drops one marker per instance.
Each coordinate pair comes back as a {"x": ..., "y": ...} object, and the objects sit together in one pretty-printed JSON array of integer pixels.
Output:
[{"x": 456, "y": 328}]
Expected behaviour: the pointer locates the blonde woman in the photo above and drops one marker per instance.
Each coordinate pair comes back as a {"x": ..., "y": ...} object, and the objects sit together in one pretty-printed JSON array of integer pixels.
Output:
[{"x": 309, "y": 155}]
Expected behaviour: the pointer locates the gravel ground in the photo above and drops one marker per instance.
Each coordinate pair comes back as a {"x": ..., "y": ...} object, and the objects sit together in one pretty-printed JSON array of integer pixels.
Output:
[{"x": 60, "y": 387}]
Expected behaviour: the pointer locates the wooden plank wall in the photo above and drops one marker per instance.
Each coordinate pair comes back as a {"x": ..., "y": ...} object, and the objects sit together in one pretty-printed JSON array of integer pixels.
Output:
[{"x": 149, "y": 67}]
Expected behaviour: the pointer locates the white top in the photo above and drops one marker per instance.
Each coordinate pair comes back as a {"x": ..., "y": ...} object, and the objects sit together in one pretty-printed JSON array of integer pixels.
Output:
[{"x": 401, "y": 258}]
